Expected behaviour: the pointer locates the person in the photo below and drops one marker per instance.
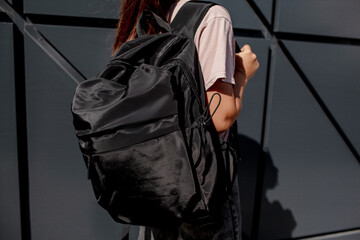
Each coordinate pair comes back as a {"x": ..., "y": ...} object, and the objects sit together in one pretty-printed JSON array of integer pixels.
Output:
[{"x": 226, "y": 73}]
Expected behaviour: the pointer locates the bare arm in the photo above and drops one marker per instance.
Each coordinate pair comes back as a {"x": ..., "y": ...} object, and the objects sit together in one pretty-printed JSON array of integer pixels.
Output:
[{"x": 231, "y": 96}]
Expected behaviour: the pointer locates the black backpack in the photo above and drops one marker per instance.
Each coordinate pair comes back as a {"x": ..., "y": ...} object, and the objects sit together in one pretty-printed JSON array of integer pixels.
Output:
[{"x": 153, "y": 155}]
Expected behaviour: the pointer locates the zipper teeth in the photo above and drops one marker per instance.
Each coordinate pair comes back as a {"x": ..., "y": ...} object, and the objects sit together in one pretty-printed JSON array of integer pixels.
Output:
[{"x": 189, "y": 77}]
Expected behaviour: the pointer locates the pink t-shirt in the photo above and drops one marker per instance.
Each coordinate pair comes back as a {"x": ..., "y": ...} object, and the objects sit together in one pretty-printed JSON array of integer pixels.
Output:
[{"x": 215, "y": 44}]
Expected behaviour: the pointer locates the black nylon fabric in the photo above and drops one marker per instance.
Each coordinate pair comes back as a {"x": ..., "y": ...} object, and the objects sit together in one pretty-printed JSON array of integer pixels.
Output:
[
  {"x": 151, "y": 158},
  {"x": 146, "y": 169}
]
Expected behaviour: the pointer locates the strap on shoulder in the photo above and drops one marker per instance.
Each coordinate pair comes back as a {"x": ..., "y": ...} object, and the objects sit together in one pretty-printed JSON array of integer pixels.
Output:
[{"x": 189, "y": 17}]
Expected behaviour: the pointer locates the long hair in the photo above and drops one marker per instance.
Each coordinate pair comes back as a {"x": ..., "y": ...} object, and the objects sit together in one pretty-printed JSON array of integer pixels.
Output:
[{"x": 129, "y": 14}]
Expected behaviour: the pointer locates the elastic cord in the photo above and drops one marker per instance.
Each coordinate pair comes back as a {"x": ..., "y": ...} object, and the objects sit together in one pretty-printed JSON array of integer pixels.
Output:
[{"x": 206, "y": 113}]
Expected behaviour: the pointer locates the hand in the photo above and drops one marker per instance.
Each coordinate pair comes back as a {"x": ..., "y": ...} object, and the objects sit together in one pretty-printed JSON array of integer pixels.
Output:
[{"x": 246, "y": 62}]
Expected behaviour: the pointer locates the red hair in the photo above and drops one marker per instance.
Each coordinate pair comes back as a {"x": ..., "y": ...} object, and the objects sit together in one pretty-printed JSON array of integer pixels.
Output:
[{"x": 130, "y": 13}]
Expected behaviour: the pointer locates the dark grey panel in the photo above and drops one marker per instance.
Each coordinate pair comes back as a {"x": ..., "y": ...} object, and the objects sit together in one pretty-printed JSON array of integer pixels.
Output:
[
  {"x": 321, "y": 17},
  {"x": 249, "y": 125},
  {"x": 88, "y": 49},
  {"x": 334, "y": 72},
  {"x": 81, "y": 8},
  {"x": 266, "y": 8},
  {"x": 62, "y": 203},
  {"x": 242, "y": 15},
  {"x": 9, "y": 181},
  {"x": 349, "y": 235},
  {"x": 312, "y": 179}
]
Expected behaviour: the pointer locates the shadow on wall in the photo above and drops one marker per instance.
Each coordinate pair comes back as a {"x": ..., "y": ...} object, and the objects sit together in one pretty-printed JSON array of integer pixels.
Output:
[{"x": 276, "y": 222}]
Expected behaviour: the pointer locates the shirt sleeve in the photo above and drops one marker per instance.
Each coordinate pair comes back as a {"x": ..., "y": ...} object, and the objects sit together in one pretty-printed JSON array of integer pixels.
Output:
[{"x": 215, "y": 44}]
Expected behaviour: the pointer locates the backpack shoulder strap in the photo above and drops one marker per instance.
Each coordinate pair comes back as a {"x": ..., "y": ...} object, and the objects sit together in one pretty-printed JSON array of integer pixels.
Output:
[{"x": 189, "y": 17}]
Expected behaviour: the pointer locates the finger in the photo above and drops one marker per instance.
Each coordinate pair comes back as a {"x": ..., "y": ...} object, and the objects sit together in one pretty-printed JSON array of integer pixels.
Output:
[
  {"x": 252, "y": 57},
  {"x": 256, "y": 65},
  {"x": 246, "y": 48},
  {"x": 239, "y": 54}
]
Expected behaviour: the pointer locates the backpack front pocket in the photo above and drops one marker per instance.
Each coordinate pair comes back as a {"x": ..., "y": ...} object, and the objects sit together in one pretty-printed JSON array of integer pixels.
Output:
[{"x": 151, "y": 181}]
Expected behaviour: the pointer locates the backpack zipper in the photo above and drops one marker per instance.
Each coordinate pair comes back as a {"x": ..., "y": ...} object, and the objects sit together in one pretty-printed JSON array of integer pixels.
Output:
[
  {"x": 191, "y": 80},
  {"x": 189, "y": 77}
]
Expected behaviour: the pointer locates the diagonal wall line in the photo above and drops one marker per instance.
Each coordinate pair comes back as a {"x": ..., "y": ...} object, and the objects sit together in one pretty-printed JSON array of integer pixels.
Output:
[
  {"x": 28, "y": 28},
  {"x": 267, "y": 27},
  {"x": 319, "y": 100},
  {"x": 278, "y": 43}
]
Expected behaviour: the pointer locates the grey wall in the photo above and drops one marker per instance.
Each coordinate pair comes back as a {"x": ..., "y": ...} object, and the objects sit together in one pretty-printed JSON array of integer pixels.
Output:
[
  {"x": 299, "y": 128},
  {"x": 9, "y": 183}
]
